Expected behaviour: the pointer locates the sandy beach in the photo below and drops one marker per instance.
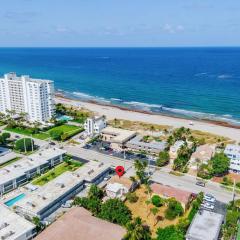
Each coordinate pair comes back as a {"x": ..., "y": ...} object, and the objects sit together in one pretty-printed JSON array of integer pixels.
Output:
[{"x": 112, "y": 112}]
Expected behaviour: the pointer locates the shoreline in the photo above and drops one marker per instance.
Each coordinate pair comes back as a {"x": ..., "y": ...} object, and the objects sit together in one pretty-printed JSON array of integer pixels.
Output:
[{"x": 112, "y": 111}]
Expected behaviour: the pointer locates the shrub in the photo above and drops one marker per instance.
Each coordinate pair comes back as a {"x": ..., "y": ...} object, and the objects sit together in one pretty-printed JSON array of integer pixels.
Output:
[
  {"x": 174, "y": 209},
  {"x": 132, "y": 197},
  {"x": 163, "y": 159},
  {"x": 24, "y": 144},
  {"x": 157, "y": 201},
  {"x": 56, "y": 134}
]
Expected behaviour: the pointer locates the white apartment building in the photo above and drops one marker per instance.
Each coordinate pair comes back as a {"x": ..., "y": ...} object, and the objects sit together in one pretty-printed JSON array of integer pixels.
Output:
[
  {"x": 233, "y": 153},
  {"x": 94, "y": 125},
  {"x": 35, "y": 97}
]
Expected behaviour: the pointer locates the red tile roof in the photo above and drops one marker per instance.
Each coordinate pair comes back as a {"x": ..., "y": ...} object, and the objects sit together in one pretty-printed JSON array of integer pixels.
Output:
[
  {"x": 78, "y": 223},
  {"x": 171, "y": 192}
]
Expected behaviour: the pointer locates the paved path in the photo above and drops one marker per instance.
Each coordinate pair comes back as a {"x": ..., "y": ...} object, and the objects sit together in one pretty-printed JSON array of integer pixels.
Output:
[{"x": 186, "y": 182}]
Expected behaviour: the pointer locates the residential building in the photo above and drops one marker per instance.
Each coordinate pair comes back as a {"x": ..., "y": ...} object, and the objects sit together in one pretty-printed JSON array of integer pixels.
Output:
[
  {"x": 206, "y": 225},
  {"x": 233, "y": 153},
  {"x": 117, "y": 137},
  {"x": 173, "y": 152},
  {"x": 14, "y": 227},
  {"x": 35, "y": 97},
  {"x": 118, "y": 187},
  {"x": 49, "y": 197},
  {"x": 165, "y": 191},
  {"x": 202, "y": 154},
  {"x": 94, "y": 125},
  {"x": 18, "y": 173},
  {"x": 78, "y": 223},
  {"x": 138, "y": 144}
]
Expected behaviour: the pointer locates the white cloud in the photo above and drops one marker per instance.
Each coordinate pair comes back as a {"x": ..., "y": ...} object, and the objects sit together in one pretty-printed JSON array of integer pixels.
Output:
[{"x": 169, "y": 28}]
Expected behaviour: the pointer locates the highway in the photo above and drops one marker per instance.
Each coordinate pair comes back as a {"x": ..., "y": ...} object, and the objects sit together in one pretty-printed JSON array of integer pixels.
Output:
[{"x": 186, "y": 182}]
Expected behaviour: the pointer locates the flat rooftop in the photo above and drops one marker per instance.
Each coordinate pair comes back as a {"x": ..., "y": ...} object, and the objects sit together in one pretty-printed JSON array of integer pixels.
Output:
[
  {"x": 205, "y": 226},
  {"x": 153, "y": 145},
  {"x": 232, "y": 149},
  {"x": 51, "y": 191},
  {"x": 19, "y": 168},
  {"x": 120, "y": 135},
  {"x": 12, "y": 224},
  {"x": 78, "y": 223}
]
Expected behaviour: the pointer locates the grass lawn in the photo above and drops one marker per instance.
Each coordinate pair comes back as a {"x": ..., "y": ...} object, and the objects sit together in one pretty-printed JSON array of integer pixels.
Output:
[
  {"x": 26, "y": 132},
  {"x": 142, "y": 210},
  {"x": 55, "y": 172},
  {"x": 9, "y": 162},
  {"x": 71, "y": 129}
]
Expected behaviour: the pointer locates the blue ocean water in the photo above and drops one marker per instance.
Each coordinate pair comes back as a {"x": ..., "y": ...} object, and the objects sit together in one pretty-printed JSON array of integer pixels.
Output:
[{"x": 192, "y": 82}]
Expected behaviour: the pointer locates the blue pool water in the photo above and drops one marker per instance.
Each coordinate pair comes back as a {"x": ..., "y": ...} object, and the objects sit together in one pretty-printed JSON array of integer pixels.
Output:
[
  {"x": 12, "y": 201},
  {"x": 65, "y": 118}
]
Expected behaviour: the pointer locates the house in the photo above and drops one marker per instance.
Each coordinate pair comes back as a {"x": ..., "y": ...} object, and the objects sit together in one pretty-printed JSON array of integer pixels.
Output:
[
  {"x": 117, "y": 137},
  {"x": 118, "y": 187},
  {"x": 202, "y": 154},
  {"x": 94, "y": 125},
  {"x": 78, "y": 223},
  {"x": 165, "y": 191},
  {"x": 206, "y": 225},
  {"x": 233, "y": 153}
]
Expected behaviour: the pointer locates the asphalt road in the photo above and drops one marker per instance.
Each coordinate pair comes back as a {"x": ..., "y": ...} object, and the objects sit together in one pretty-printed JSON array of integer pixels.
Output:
[{"x": 186, "y": 182}]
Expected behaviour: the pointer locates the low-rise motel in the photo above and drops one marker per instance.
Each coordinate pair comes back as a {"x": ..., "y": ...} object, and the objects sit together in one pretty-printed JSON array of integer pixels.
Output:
[
  {"x": 48, "y": 198},
  {"x": 12, "y": 226},
  {"x": 20, "y": 172}
]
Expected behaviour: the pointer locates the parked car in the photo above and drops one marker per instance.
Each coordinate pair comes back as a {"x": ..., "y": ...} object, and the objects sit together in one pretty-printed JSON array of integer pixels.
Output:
[
  {"x": 207, "y": 205},
  {"x": 209, "y": 198},
  {"x": 201, "y": 183}
]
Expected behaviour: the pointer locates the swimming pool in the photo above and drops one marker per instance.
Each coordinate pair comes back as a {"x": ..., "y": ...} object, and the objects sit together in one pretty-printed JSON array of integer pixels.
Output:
[
  {"x": 65, "y": 118},
  {"x": 12, "y": 201}
]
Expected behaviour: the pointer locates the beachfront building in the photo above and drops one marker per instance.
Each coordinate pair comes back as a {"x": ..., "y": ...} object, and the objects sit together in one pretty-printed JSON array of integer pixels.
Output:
[
  {"x": 202, "y": 155},
  {"x": 20, "y": 172},
  {"x": 49, "y": 197},
  {"x": 137, "y": 144},
  {"x": 78, "y": 223},
  {"x": 12, "y": 226},
  {"x": 117, "y": 137},
  {"x": 35, "y": 97},
  {"x": 165, "y": 191},
  {"x": 206, "y": 225},
  {"x": 233, "y": 153},
  {"x": 94, "y": 125}
]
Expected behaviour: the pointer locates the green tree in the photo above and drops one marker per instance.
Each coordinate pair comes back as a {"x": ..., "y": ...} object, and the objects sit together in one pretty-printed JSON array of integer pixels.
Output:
[
  {"x": 157, "y": 201},
  {"x": 163, "y": 159},
  {"x": 137, "y": 231},
  {"x": 56, "y": 134},
  {"x": 140, "y": 167},
  {"x": 220, "y": 164},
  {"x": 170, "y": 233},
  {"x": 95, "y": 192},
  {"x": 115, "y": 211},
  {"x": 174, "y": 209},
  {"x": 24, "y": 144}
]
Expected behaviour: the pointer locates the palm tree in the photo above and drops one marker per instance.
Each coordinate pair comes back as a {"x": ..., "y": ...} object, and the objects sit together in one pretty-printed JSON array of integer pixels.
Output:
[
  {"x": 152, "y": 128},
  {"x": 148, "y": 202},
  {"x": 154, "y": 211},
  {"x": 137, "y": 231}
]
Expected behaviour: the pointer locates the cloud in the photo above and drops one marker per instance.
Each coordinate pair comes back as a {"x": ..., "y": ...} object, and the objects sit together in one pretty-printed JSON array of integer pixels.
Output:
[
  {"x": 22, "y": 17},
  {"x": 172, "y": 29}
]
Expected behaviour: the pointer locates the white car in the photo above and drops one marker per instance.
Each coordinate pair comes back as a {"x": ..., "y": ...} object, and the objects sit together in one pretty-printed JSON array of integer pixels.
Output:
[
  {"x": 209, "y": 198},
  {"x": 208, "y": 206}
]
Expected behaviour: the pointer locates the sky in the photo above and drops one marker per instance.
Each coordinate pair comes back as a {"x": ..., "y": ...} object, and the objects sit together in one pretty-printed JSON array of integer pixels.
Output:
[{"x": 119, "y": 23}]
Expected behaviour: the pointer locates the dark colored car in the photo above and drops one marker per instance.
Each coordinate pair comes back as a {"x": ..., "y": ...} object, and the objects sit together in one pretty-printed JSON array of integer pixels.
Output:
[{"x": 201, "y": 183}]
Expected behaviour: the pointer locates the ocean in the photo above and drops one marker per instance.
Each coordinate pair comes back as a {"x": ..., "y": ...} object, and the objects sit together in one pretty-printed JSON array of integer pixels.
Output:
[{"x": 198, "y": 83}]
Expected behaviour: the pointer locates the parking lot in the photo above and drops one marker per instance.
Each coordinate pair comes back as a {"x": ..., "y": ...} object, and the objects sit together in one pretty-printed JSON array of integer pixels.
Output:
[{"x": 104, "y": 148}]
